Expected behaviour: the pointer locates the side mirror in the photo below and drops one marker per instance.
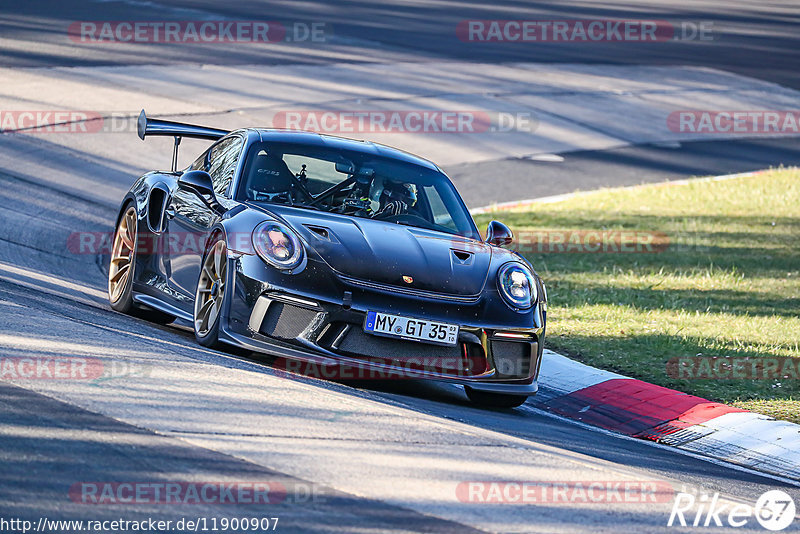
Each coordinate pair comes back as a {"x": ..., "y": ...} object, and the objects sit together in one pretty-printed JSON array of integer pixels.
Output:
[
  {"x": 499, "y": 234},
  {"x": 199, "y": 183}
]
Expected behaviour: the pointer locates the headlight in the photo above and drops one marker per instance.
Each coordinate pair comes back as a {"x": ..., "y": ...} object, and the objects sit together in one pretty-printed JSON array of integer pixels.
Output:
[
  {"x": 277, "y": 245},
  {"x": 517, "y": 285}
]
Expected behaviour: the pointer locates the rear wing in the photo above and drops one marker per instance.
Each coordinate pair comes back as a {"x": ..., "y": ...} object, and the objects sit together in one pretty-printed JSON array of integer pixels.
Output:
[{"x": 178, "y": 130}]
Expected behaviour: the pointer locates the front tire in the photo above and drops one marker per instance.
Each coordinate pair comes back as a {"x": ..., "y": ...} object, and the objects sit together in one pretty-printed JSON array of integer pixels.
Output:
[
  {"x": 121, "y": 271},
  {"x": 210, "y": 294},
  {"x": 494, "y": 400}
]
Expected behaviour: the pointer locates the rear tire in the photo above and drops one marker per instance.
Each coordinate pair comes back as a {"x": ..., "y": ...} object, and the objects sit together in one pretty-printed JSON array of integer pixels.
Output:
[
  {"x": 121, "y": 271},
  {"x": 494, "y": 400}
]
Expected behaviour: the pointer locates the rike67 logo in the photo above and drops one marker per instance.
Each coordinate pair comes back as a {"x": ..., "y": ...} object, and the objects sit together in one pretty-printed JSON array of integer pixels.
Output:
[{"x": 775, "y": 510}]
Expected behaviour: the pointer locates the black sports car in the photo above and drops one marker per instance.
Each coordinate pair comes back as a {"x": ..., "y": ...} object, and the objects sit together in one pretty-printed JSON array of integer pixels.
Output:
[{"x": 334, "y": 251}]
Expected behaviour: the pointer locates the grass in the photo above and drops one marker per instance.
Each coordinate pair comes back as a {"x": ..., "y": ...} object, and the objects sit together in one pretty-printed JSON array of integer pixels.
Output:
[{"x": 725, "y": 282}]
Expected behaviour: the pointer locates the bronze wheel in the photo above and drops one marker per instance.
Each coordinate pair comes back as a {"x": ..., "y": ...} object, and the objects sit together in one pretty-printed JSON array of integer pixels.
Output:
[
  {"x": 121, "y": 271},
  {"x": 210, "y": 294},
  {"x": 123, "y": 253}
]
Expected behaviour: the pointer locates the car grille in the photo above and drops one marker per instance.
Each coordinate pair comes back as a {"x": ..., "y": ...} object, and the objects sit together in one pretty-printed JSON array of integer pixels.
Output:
[
  {"x": 420, "y": 293},
  {"x": 285, "y": 321},
  {"x": 511, "y": 360},
  {"x": 358, "y": 343}
]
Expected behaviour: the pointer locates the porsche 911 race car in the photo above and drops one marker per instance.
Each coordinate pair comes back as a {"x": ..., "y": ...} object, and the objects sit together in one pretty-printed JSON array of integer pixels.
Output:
[{"x": 341, "y": 253}]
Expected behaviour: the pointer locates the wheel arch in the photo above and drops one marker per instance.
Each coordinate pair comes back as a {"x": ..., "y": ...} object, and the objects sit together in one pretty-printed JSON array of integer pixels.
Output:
[
  {"x": 140, "y": 193},
  {"x": 217, "y": 230}
]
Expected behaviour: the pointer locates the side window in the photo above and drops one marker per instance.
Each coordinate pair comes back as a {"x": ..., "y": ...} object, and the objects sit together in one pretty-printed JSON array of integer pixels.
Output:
[
  {"x": 223, "y": 158},
  {"x": 200, "y": 163},
  {"x": 441, "y": 215}
]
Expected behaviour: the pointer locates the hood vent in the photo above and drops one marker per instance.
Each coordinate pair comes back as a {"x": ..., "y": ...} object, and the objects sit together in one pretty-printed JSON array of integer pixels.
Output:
[
  {"x": 461, "y": 258},
  {"x": 320, "y": 231}
]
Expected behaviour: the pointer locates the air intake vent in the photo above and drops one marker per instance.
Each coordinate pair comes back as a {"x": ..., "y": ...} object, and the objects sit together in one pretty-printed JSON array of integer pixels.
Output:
[
  {"x": 511, "y": 360},
  {"x": 461, "y": 257},
  {"x": 285, "y": 321}
]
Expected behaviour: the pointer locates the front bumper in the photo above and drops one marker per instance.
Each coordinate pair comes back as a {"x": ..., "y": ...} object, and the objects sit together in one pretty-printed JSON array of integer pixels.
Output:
[{"x": 294, "y": 316}]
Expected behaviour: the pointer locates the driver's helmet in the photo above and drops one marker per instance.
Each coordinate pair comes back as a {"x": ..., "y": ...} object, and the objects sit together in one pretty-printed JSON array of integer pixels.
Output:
[{"x": 397, "y": 191}]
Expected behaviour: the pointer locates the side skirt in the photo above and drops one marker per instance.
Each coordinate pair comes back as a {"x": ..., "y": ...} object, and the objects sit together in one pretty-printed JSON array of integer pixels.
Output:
[{"x": 159, "y": 305}]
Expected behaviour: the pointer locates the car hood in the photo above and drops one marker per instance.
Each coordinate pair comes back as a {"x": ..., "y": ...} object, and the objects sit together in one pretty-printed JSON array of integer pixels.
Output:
[{"x": 385, "y": 253}]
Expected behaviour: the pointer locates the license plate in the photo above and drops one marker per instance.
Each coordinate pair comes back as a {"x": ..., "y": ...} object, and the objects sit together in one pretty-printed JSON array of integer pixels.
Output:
[{"x": 383, "y": 324}]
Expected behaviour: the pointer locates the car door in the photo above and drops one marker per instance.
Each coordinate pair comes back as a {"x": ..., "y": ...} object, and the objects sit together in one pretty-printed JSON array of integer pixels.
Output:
[{"x": 190, "y": 219}]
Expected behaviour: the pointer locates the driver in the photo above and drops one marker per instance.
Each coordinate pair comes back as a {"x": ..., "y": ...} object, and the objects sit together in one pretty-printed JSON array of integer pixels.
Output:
[{"x": 396, "y": 199}]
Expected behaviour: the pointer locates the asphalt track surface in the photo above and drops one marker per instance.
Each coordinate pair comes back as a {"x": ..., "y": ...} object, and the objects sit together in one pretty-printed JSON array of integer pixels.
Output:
[
  {"x": 379, "y": 457},
  {"x": 755, "y": 39}
]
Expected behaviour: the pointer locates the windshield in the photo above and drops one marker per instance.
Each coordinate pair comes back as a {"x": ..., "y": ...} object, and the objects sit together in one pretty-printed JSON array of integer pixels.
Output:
[{"x": 355, "y": 184}]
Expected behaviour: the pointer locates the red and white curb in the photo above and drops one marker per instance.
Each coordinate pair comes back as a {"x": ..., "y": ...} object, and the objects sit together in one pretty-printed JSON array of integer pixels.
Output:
[{"x": 643, "y": 410}]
